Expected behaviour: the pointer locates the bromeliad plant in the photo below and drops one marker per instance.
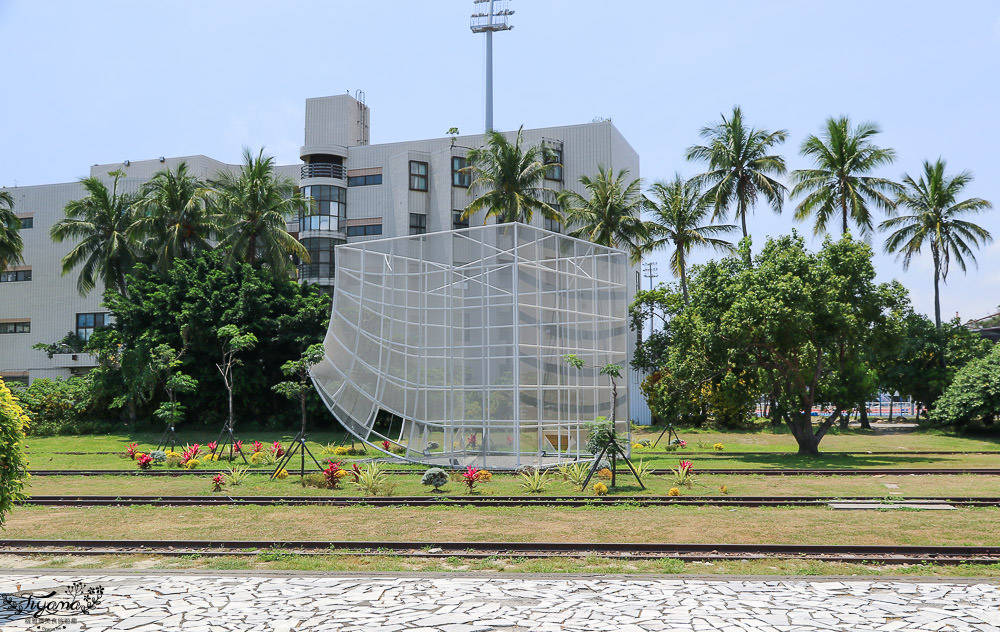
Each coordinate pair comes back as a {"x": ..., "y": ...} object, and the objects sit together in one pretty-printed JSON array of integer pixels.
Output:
[
  {"x": 333, "y": 473},
  {"x": 130, "y": 451},
  {"x": 470, "y": 477},
  {"x": 217, "y": 483},
  {"x": 277, "y": 450},
  {"x": 144, "y": 461},
  {"x": 683, "y": 473}
]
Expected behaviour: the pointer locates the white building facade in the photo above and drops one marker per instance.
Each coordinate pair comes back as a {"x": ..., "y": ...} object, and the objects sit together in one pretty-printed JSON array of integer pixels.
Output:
[{"x": 359, "y": 192}]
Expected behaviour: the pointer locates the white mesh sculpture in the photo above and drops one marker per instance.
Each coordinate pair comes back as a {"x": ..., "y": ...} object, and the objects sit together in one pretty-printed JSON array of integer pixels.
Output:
[{"x": 460, "y": 335}]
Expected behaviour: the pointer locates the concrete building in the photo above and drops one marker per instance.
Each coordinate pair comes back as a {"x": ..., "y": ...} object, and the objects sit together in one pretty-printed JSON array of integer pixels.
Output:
[{"x": 359, "y": 191}]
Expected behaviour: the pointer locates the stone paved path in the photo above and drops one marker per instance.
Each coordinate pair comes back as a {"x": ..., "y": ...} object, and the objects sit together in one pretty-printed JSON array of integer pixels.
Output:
[{"x": 195, "y": 603}]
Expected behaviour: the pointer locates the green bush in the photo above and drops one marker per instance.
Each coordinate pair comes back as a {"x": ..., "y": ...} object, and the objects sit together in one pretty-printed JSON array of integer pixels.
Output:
[
  {"x": 972, "y": 400},
  {"x": 435, "y": 477},
  {"x": 13, "y": 465},
  {"x": 60, "y": 406}
]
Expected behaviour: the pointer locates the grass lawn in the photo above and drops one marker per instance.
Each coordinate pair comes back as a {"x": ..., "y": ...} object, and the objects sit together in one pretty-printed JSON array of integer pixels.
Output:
[
  {"x": 514, "y": 524},
  {"x": 503, "y": 485}
]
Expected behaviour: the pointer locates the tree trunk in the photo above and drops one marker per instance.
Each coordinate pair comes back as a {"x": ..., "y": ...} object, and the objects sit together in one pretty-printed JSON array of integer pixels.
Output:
[
  {"x": 684, "y": 285},
  {"x": 937, "y": 296},
  {"x": 801, "y": 428},
  {"x": 865, "y": 425},
  {"x": 843, "y": 205}
]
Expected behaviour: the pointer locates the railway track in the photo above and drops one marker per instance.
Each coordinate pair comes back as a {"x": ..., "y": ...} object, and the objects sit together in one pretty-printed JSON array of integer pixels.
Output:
[
  {"x": 499, "y": 501},
  {"x": 869, "y": 471},
  {"x": 945, "y": 555},
  {"x": 703, "y": 453}
]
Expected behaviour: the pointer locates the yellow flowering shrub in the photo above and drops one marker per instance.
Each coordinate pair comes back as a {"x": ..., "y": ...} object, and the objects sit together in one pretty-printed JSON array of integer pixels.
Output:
[
  {"x": 191, "y": 464},
  {"x": 674, "y": 491},
  {"x": 718, "y": 447},
  {"x": 484, "y": 476},
  {"x": 282, "y": 473},
  {"x": 13, "y": 464},
  {"x": 600, "y": 489},
  {"x": 604, "y": 474}
]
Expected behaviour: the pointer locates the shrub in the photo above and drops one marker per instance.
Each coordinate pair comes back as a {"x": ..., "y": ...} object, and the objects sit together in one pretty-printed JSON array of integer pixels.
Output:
[
  {"x": 604, "y": 474},
  {"x": 683, "y": 473},
  {"x": 264, "y": 457},
  {"x": 236, "y": 475},
  {"x": 280, "y": 474},
  {"x": 144, "y": 461},
  {"x": 534, "y": 481},
  {"x": 600, "y": 489},
  {"x": 484, "y": 476},
  {"x": 13, "y": 465},
  {"x": 718, "y": 447},
  {"x": 643, "y": 469},
  {"x": 601, "y": 432},
  {"x": 59, "y": 406},
  {"x": 174, "y": 459},
  {"x": 972, "y": 400},
  {"x": 373, "y": 480},
  {"x": 191, "y": 464},
  {"x": 575, "y": 473},
  {"x": 315, "y": 480},
  {"x": 674, "y": 491},
  {"x": 159, "y": 456},
  {"x": 470, "y": 477},
  {"x": 217, "y": 483},
  {"x": 130, "y": 451},
  {"x": 435, "y": 477},
  {"x": 333, "y": 473}
]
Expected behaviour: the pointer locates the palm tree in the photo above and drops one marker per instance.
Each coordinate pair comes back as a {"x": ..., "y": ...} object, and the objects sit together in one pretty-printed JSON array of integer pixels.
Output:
[
  {"x": 256, "y": 202},
  {"x": 611, "y": 215},
  {"x": 173, "y": 217},
  {"x": 679, "y": 211},
  {"x": 509, "y": 179},
  {"x": 933, "y": 200},
  {"x": 838, "y": 184},
  {"x": 11, "y": 245},
  {"x": 101, "y": 223},
  {"x": 739, "y": 166}
]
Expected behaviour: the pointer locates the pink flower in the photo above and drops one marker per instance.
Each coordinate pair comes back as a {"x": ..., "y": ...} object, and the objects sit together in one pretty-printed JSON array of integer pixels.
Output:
[
  {"x": 212, "y": 446},
  {"x": 277, "y": 449},
  {"x": 257, "y": 446},
  {"x": 686, "y": 466},
  {"x": 683, "y": 443},
  {"x": 238, "y": 446},
  {"x": 386, "y": 445},
  {"x": 130, "y": 451},
  {"x": 144, "y": 460}
]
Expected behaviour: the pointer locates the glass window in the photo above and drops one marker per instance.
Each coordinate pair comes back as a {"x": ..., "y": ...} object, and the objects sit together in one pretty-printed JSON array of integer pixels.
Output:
[
  {"x": 9, "y": 276},
  {"x": 27, "y": 222},
  {"x": 321, "y": 257},
  {"x": 364, "y": 231},
  {"x": 457, "y": 221},
  {"x": 15, "y": 328},
  {"x": 326, "y": 210},
  {"x": 418, "y": 175},
  {"x": 552, "y": 224},
  {"x": 15, "y": 378},
  {"x": 554, "y": 158},
  {"x": 418, "y": 223},
  {"x": 361, "y": 181},
  {"x": 87, "y": 323},
  {"x": 460, "y": 178}
]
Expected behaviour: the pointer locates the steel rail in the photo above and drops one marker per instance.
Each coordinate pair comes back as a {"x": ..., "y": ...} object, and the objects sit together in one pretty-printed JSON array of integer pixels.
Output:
[
  {"x": 945, "y": 555},
  {"x": 499, "y": 501},
  {"x": 704, "y": 471}
]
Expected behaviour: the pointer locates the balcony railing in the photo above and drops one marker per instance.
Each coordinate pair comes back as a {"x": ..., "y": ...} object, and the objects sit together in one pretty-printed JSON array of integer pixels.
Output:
[{"x": 323, "y": 170}]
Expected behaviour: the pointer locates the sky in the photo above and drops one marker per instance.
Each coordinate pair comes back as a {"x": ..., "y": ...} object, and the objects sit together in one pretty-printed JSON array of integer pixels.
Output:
[{"x": 101, "y": 81}]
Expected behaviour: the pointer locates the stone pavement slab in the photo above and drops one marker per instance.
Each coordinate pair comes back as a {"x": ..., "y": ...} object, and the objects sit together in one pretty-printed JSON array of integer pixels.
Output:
[{"x": 441, "y": 603}]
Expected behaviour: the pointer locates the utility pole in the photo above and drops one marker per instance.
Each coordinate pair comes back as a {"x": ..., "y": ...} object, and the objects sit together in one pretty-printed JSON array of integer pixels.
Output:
[
  {"x": 493, "y": 19},
  {"x": 649, "y": 271}
]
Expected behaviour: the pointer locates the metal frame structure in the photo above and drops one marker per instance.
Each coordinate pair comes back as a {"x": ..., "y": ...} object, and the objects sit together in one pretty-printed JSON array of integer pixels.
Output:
[{"x": 462, "y": 334}]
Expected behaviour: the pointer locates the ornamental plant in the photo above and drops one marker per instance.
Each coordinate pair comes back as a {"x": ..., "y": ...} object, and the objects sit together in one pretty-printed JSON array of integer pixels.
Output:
[
  {"x": 212, "y": 446},
  {"x": 190, "y": 452},
  {"x": 13, "y": 464},
  {"x": 470, "y": 477},
  {"x": 280, "y": 474},
  {"x": 718, "y": 447},
  {"x": 373, "y": 480},
  {"x": 386, "y": 445},
  {"x": 683, "y": 473},
  {"x": 236, "y": 475},
  {"x": 159, "y": 456},
  {"x": 277, "y": 450},
  {"x": 217, "y": 483},
  {"x": 534, "y": 481},
  {"x": 600, "y": 489},
  {"x": 435, "y": 477},
  {"x": 604, "y": 473},
  {"x": 144, "y": 461},
  {"x": 257, "y": 446},
  {"x": 238, "y": 447},
  {"x": 484, "y": 476},
  {"x": 130, "y": 451},
  {"x": 674, "y": 492},
  {"x": 191, "y": 464},
  {"x": 333, "y": 474}
]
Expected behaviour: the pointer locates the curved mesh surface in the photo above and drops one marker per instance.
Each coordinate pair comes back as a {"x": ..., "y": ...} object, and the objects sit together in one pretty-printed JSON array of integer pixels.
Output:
[{"x": 459, "y": 337}]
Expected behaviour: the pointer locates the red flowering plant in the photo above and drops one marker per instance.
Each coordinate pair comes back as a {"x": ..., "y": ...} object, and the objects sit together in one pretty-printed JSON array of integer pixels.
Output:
[
  {"x": 191, "y": 452},
  {"x": 277, "y": 450},
  {"x": 333, "y": 474},
  {"x": 683, "y": 473},
  {"x": 386, "y": 445},
  {"x": 212, "y": 447},
  {"x": 217, "y": 483},
  {"x": 238, "y": 446},
  {"x": 257, "y": 446},
  {"x": 130, "y": 450},
  {"x": 471, "y": 441},
  {"x": 144, "y": 461},
  {"x": 470, "y": 477},
  {"x": 355, "y": 472}
]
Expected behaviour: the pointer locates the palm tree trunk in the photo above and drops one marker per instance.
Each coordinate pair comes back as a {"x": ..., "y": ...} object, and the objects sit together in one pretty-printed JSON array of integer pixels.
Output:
[
  {"x": 742, "y": 210},
  {"x": 684, "y": 285},
  {"x": 843, "y": 206},
  {"x": 937, "y": 294}
]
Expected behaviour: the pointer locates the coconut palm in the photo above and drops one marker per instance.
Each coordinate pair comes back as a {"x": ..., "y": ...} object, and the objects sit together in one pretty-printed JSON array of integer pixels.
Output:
[
  {"x": 934, "y": 221},
  {"x": 100, "y": 222},
  {"x": 11, "y": 245},
  {"x": 256, "y": 202},
  {"x": 680, "y": 211},
  {"x": 173, "y": 219},
  {"x": 509, "y": 180},
  {"x": 839, "y": 184},
  {"x": 740, "y": 167},
  {"x": 610, "y": 216}
]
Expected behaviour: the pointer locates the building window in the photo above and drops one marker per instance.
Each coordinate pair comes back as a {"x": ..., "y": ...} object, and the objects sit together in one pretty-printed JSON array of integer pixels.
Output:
[
  {"x": 27, "y": 222},
  {"x": 16, "y": 328},
  {"x": 460, "y": 178},
  {"x": 15, "y": 378},
  {"x": 552, "y": 224},
  {"x": 418, "y": 175},
  {"x": 321, "y": 260},
  {"x": 364, "y": 231},
  {"x": 86, "y": 324},
  {"x": 554, "y": 158},
  {"x": 326, "y": 209},
  {"x": 418, "y": 223},
  {"x": 10, "y": 276},
  {"x": 363, "y": 181},
  {"x": 457, "y": 221}
]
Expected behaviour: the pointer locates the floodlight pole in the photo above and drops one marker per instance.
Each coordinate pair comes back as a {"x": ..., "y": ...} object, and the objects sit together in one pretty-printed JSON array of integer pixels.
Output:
[
  {"x": 489, "y": 72},
  {"x": 493, "y": 19}
]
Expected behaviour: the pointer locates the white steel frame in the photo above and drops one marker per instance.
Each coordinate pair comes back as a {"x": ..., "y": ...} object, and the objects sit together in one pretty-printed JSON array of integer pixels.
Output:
[{"x": 426, "y": 327}]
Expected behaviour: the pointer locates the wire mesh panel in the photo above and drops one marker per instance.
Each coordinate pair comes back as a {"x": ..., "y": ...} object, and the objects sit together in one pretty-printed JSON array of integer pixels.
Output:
[{"x": 450, "y": 345}]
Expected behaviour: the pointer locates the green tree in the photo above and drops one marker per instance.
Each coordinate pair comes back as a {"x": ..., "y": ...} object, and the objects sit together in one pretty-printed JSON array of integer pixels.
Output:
[
  {"x": 679, "y": 216},
  {"x": 233, "y": 342},
  {"x": 935, "y": 222},
  {"x": 839, "y": 183},
  {"x": 100, "y": 222},
  {"x": 610, "y": 216},
  {"x": 164, "y": 361},
  {"x": 300, "y": 388},
  {"x": 508, "y": 180},
  {"x": 173, "y": 219},
  {"x": 13, "y": 463},
  {"x": 256, "y": 202},
  {"x": 197, "y": 296},
  {"x": 972, "y": 401},
  {"x": 11, "y": 245},
  {"x": 740, "y": 167}
]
